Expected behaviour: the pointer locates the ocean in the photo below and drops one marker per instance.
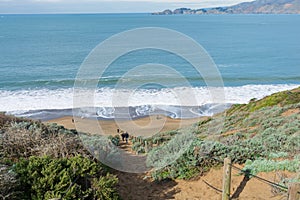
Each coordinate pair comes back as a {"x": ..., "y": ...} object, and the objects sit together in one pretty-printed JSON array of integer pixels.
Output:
[{"x": 40, "y": 56}]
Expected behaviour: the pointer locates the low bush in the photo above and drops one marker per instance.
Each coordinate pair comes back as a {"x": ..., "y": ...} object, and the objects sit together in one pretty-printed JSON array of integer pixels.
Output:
[
  {"x": 10, "y": 186},
  {"x": 115, "y": 139},
  {"x": 39, "y": 161},
  {"x": 266, "y": 165},
  {"x": 73, "y": 178}
]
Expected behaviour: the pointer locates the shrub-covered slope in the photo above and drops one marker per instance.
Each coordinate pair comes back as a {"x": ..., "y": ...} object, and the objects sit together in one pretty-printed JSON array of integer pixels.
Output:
[
  {"x": 258, "y": 134},
  {"x": 39, "y": 161}
]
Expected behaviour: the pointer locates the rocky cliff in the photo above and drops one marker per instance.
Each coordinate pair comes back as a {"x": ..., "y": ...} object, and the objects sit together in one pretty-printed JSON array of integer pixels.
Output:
[{"x": 254, "y": 7}]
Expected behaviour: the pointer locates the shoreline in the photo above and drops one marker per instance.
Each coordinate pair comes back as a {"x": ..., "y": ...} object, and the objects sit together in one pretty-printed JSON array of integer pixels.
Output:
[
  {"x": 48, "y": 104},
  {"x": 143, "y": 126}
]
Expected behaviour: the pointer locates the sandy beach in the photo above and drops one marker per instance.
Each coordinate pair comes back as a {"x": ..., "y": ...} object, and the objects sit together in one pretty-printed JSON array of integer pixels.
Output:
[{"x": 146, "y": 126}]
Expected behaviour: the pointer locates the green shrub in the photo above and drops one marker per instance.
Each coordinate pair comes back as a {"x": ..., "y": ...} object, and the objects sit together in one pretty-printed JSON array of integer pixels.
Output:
[
  {"x": 204, "y": 154},
  {"x": 168, "y": 153},
  {"x": 273, "y": 155},
  {"x": 265, "y": 165},
  {"x": 10, "y": 186},
  {"x": 259, "y": 130},
  {"x": 115, "y": 139},
  {"x": 73, "y": 178},
  {"x": 104, "y": 187}
]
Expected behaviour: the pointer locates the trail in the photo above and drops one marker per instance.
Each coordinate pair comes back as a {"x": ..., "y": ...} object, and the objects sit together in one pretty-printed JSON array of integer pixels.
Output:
[
  {"x": 134, "y": 186},
  {"x": 139, "y": 186}
]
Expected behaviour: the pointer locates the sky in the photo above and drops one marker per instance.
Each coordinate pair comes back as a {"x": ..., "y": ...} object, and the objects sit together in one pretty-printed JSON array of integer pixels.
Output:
[{"x": 104, "y": 6}]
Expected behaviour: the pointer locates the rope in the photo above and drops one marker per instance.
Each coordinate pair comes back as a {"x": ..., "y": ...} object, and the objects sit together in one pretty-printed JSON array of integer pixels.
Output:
[
  {"x": 247, "y": 173},
  {"x": 260, "y": 178}
]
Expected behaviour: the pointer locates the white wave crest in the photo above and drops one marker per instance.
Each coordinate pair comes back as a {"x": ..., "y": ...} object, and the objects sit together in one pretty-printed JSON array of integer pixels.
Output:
[{"x": 42, "y": 99}]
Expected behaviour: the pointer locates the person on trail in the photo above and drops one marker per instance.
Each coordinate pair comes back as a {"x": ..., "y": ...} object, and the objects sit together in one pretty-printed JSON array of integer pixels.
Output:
[
  {"x": 126, "y": 135},
  {"x": 123, "y": 136}
]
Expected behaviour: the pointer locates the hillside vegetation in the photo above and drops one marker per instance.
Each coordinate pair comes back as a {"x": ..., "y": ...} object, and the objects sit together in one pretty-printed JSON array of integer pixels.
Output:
[
  {"x": 39, "y": 161},
  {"x": 264, "y": 135}
]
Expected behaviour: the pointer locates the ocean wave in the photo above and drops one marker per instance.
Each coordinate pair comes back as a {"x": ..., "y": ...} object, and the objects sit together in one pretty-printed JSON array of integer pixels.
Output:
[
  {"x": 107, "y": 113},
  {"x": 141, "y": 101}
]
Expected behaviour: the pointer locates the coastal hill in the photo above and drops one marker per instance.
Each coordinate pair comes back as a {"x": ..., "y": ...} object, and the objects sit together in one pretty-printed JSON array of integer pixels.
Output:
[
  {"x": 254, "y": 7},
  {"x": 40, "y": 160}
]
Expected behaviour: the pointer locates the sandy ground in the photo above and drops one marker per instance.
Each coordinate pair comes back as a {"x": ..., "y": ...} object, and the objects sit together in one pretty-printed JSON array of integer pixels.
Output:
[
  {"x": 146, "y": 126},
  {"x": 207, "y": 187},
  {"x": 141, "y": 187}
]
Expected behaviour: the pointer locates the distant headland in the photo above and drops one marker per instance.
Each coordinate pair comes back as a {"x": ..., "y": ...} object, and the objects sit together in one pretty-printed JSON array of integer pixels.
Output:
[{"x": 254, "y": 7}]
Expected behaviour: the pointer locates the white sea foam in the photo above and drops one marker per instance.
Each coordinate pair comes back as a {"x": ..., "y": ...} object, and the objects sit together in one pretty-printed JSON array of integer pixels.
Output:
[{"x": 42, "y": 99}]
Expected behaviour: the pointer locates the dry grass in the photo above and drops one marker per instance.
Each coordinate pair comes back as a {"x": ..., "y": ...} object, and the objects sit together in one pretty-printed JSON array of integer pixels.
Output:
[
  {"x": 20, "y": 138},
  {"x": 24, "y": 143}
]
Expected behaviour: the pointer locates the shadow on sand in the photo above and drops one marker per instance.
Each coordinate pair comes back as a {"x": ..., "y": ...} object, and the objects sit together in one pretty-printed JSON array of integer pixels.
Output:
[
  {"x": 134, "y": 186},
  {"x": 137, "y": 187}
]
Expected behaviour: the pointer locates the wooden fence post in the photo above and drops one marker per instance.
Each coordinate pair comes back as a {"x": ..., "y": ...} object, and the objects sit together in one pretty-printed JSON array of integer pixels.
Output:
[
  {"x": 226, "y": 179},
  {"x": 146, "y": 146},
  {"x": 294, "y": 191}
]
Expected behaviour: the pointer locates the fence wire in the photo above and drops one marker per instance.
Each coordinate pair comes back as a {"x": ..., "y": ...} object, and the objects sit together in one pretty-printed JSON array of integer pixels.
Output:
[{"x": 249, "y": 174}]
